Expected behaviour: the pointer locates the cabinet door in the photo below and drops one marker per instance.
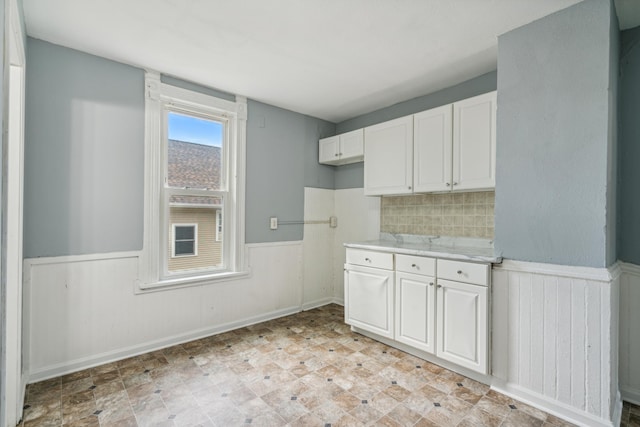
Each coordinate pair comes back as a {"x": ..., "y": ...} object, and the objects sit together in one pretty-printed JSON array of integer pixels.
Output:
[
  {"x": 328, "y": 150},
  {"x": 462, "y": 324},
  {"x": 474, "y": 143},
  {"x": 369, "y": 299},
  {"x": 432, "y": 145},
  {"x": 388, "y": 157},
  {"x": 352, "y": 146},
  {"x": 415, "y": 311}
]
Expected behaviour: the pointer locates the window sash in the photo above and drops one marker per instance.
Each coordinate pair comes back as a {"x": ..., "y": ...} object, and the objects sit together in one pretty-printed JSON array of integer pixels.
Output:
[
  {"x": 175, "y": 240},
  {"x": 159, "y": 97}
]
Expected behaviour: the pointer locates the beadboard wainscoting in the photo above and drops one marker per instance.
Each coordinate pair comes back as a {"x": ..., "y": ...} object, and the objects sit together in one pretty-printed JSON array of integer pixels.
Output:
[
  {"x": 323, "y": 247},
  {"x": 555, "y": 339},
  {"x": 630, "y": 333},
  {"x": 83, "y": 311}
]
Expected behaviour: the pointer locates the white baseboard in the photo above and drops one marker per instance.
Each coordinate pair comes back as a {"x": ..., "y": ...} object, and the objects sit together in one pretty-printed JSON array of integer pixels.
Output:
[
  {"x": 123, "y": 353},
  {"x": 317, "y": 303},
  {"x": 557, "y": 408},
  {"x": 630, "y": 394}
]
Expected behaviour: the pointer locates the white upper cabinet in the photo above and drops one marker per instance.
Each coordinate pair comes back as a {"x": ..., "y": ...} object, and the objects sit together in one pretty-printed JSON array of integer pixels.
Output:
[
  {"x": 342, "y": 149},
  {"x": 449, "y": 148},
  {"x": 388, "y": 163},
  {"x": 474, "y": 143},
  {"x": 432, "y": 149}
]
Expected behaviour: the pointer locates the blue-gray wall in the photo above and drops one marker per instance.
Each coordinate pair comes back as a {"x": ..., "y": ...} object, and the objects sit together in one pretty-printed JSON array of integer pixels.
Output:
[
  {"x": 282, "y": 158},
  {"x": 554, "y": 138},
  {"x": 352, "y": 176},
  {"x": 84, "y": 153},
  {"x": 84, "y": 157},
  {"x": 629, "y": 149}
]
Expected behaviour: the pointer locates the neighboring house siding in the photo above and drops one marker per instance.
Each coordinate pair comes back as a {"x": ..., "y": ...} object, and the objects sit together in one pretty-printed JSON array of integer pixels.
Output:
[{"x": 209, "y": 250}]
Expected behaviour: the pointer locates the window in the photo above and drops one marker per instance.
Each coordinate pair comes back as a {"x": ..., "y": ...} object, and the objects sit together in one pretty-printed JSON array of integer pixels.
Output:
[
  {"x": 218, "y": 225},
  {"x": 194, "y": 176},
  {"x": 185, "y": 240}
]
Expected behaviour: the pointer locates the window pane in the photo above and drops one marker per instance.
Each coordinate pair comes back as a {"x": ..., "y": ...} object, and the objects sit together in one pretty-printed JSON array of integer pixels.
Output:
[
  {"x": 202, "y": 211},
  {"x": 185, "y": 247},
  {"x": 185, "y": 233},
  {"x": 194, "y": 152}
]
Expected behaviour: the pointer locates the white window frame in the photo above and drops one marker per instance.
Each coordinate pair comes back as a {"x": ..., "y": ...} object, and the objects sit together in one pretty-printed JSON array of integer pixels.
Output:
[
  {"x": 173, "y": 240},
  {"x": 160, "y": 98}
]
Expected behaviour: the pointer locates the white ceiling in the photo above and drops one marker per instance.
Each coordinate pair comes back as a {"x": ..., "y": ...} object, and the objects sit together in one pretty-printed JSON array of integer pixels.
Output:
[{"x": 332, "y": 59}]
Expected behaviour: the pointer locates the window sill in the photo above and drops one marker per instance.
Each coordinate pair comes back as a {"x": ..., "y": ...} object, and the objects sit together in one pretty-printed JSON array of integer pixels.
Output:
[{"x": 184, "y": 282}]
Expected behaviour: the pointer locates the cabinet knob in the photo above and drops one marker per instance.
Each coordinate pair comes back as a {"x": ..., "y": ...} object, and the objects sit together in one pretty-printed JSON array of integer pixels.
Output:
[
  {"x": 340, "y": 154},
  {"x": 409, "y": 187},
  {"x": 336, "y": 155},
  {"x": 448, "y": 185},
  {"x": 439, "y": 286},
  {"x": 459, "y": 271},
  {"x": 430, "y": 283},
  {"x": 455, "y": 183},
  {"x": 413, "y": 265},
  {"x": 367, "y": 259}
]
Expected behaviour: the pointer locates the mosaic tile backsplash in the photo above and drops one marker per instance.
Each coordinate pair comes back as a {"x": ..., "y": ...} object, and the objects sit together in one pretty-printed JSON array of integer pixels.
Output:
[{"x": 448, "y": 214}]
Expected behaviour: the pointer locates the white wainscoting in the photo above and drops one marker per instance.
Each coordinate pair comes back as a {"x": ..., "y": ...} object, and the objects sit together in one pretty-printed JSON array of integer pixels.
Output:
[
  {"x": 324, "y": 253},
  {"x": 630, "y": 333},
  {"x": 555, "y": 339},
  {"x": 83, "y": 311}
]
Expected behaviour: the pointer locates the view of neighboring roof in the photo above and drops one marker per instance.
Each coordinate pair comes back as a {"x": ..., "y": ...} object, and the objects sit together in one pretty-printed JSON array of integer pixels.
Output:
[{"x": 193, "y": 165}]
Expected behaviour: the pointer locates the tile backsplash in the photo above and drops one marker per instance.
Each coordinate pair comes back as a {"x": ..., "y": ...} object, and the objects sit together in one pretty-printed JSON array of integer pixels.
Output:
[{"x": 448, "y": 214}]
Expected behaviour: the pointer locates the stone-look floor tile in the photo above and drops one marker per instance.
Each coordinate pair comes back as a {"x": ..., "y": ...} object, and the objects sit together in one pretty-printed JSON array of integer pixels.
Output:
[
  {"x": 465, "y": 394},
  {"x": 75, "y": 376},
  {"x": 113, "y": 407},
  {"x": 634, "y": 420},
  {"x": 50, "y": 410},
  {"x": 478, "y": 417},
  {"x": 521, "y": 419},
  {"x": 77, "y": 386},
  {"x": 106, "y": 377},
  {"x": 90, "y": 421},
  {"x": 78, "y": 406},
  {"x": 493, "y": 407},
  {"x": 404, "y": 416}
]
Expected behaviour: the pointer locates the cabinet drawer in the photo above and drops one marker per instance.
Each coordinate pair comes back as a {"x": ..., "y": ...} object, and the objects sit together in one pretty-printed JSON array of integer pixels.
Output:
[
  {"x": 463, "y": 272},
  {"x": 416, "y": 265},
  {"x": 370, "y": 258}
]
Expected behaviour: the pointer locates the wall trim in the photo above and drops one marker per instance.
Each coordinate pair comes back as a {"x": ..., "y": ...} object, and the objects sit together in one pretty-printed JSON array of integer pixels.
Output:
[
  {"x": 628, "y": 268},
  {"x": 574, "y": 272},
  {"x": 123, "y": 353},
  {"x": 66, "y": 259},
  {"x": 555, "y": 407}
]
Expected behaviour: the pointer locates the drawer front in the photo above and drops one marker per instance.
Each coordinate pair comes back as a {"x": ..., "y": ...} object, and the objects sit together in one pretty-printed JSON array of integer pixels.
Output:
[
  {"x": 370, "y": 258},
  {"x": 466, "y": 272},
  {"x": 416, "y": 265}
]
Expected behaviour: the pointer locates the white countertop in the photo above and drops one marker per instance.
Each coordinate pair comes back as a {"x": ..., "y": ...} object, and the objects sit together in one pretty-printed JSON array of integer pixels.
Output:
[{"x": 458, "y": 248}]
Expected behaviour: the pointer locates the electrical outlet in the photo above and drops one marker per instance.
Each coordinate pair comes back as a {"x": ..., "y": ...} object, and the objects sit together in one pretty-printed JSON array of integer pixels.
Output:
[{"x": 273, "y": 223}]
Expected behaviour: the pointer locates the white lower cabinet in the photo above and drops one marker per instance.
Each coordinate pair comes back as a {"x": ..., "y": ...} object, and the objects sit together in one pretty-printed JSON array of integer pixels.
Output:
[
  {"x": 369, "y": 298},
  {"x": 462, "y": 324},
  {"x": 416, "y": 311},
  {"x": 438, "y": 306}
]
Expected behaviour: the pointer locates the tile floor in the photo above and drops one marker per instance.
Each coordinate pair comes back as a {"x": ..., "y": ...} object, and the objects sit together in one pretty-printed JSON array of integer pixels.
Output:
[{"x": 307, "y": 369}]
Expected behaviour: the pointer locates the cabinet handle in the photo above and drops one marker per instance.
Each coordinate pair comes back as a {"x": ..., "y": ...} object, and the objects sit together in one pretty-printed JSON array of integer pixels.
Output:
[
  {"x": 367, "y": 259},
  {"x": 459, "y": 271}
]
